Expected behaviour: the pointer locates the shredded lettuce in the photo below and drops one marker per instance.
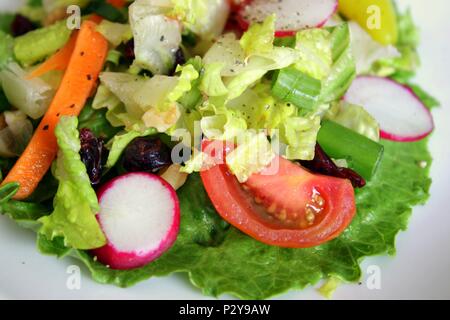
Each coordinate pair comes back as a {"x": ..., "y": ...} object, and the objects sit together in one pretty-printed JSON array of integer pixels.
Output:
[
  {"x": 252, "y": 154},
  {"x": 156, "y": 36},
  {"x": 212, "y": 84},
  {"x": 259, "y": 37},
  {"x": 115, "y": 33},
  {"x": 32, "y": 96},
  {"x": 120, "y": 141},
  {"x": 139, "y": 103},
  {"x": 356, "y": 118},
  {"x": 16, "y": 134},
  {"x": 75, "y": 203},
  {"x": 300, "y": 134},
  {"x": 367, "y": 51},
  {"x": 315, "y": 50},
  {"x": 206, "y": 18},
  {"x": 407, "y": 62}
]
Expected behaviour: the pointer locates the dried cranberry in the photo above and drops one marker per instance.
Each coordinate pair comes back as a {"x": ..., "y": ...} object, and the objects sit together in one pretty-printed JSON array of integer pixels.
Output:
[
  {"x": 21, "y": 25},
  {"x": 180, "y": 58},
  {"x": 146, "y": 154},
  {"x": 128, "y": 51},
  {"x": 93, "y": 154},
  {"x": 323, "y": 164}
]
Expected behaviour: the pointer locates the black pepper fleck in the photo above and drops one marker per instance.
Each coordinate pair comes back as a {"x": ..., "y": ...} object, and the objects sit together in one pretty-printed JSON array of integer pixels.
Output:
[
  {"x": 45, "y": 127},
  {"x": 89, "y": 77}
]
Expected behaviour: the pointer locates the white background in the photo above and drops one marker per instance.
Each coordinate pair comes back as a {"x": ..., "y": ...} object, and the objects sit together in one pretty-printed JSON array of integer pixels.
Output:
[{"x": 420, "y": 270}]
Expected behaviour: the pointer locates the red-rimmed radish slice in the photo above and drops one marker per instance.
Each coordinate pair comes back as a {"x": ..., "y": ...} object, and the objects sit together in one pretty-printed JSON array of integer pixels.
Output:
[
  {"x": 140, "y": 216},
  {"x": 292, "y": 15},
  {"x": 401, "y": 114}
]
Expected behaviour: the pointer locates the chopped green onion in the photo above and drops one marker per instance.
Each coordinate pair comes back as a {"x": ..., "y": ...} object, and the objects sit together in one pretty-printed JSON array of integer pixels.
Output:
[
  {"x": 340, "y": 40},
  {"x": 363, "y": 155},
  {"x": 114, "y": 57},
  {"x": 293, "y": 86},
  {"x": 7, "y": 191}
]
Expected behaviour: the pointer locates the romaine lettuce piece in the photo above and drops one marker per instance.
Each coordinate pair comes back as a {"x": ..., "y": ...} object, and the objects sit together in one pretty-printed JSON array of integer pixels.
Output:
[
  {"x": 252, "y": 154},
  {"x": 156, "y": 36},
  {"x": 75, "y": 203},
  {"x": 259, "y": 37},
  {"x": 115, "y": 33},
  {"x": 315, "y": 50},
  {"x": 356, "y": 118},
  {"x": 16, "y": 134},
  {"x": 120, "y": 141},
  {"x": 144, "y": 102},
  {"x": 367, "y": 51},
  {"x": 206, "y": 18},
  {"x": 32, "y": 96}
]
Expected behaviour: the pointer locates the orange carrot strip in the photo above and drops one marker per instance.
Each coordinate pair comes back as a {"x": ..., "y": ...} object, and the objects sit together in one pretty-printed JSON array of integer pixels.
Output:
[
  {"x": 82, "y": 72},
  {"x": 58, "y": 61}
]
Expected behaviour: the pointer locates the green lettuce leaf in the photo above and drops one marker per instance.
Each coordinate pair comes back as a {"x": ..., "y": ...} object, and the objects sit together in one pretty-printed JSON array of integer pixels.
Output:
[
  {"x": 259, "y": 37},
  {"x": 356, "y": 118},
  {"x": 115, "y": 33},
  {"x": 156, "y": 37},
  {"x": 316, "y": 52},
  {"x": 120, "y": 141},
  {"x": 408, "y": 61},
  {"x": 205, "y": 18},
  {"x": 75, "y": 203}
]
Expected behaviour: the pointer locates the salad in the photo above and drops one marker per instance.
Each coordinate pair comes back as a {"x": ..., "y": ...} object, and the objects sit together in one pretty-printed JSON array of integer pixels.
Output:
[{"x": 256, "y": 145}]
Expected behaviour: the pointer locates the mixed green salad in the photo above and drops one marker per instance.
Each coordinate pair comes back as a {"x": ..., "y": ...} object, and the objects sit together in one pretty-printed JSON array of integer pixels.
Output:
[{"x": 256, "y": 145}]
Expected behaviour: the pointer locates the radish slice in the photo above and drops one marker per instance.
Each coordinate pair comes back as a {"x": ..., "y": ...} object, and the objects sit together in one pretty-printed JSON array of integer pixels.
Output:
[
  {"x": 140, "y": 216},
  {"x": 292, "y": 15},
  {"x": 401, "y": 114}
]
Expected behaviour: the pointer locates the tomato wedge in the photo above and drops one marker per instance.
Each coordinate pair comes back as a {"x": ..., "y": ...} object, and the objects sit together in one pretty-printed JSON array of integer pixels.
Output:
[{"x": 292, "y": 208}]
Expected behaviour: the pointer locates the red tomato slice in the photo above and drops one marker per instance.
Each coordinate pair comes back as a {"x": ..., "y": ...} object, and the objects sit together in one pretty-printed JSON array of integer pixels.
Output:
[{"x": 292, "y": 208}]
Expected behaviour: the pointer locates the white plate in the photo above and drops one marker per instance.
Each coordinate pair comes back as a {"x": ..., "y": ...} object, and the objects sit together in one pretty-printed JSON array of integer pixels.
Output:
[{"x": 419, "y": 271}]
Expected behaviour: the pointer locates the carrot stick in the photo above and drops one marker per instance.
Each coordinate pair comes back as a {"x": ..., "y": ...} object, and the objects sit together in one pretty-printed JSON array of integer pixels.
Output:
[
  {"x": 58, "y": 61},
  {"x": 82, "y": 72}
]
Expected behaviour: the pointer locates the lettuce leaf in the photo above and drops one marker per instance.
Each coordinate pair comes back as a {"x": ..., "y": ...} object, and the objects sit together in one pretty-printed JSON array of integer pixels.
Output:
[
  {"x": 118, "y": 144},
  {"x": 32, "y": 96},
  {"x": 206, "y": 18},
  {"x": 156, "y": 37},
  {"x": 115, "y": 33},
  {"x": 139, "y": 103},
  {"x": 316, "y": 52},
  {"x": 259, "y": 37},
  {"x": 75, "y": 203},
  {"x": 252, "y": 154},
  {"x": 356, "y": 118},
  {"x": 407, "y": 63}
]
